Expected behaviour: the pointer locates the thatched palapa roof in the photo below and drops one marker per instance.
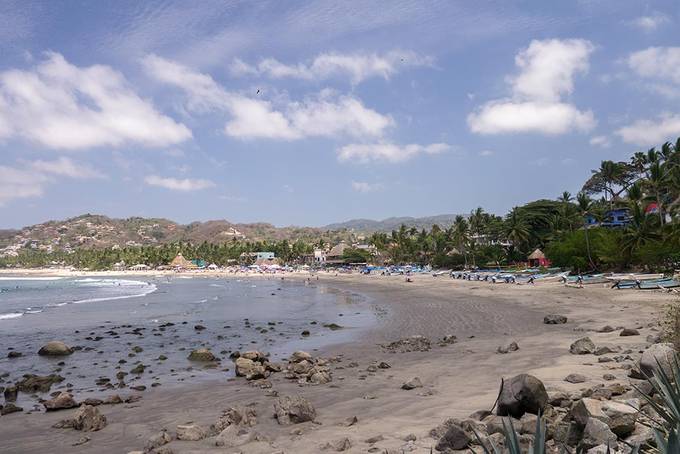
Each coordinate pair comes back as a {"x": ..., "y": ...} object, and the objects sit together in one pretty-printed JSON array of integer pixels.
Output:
[{"x": 537, "y": 255}]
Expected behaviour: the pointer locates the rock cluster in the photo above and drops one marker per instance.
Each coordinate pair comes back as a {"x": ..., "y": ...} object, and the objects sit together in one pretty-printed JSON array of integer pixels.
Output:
[
  {"x": 306, "y": 369},
  {"x": 409, "y": 344}
]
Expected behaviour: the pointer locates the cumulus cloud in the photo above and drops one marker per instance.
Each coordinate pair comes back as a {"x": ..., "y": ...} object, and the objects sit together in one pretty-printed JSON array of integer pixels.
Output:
[
  {"x": 652, "y": 132},
  {"x": 323, "y": 115},
  {"x": 365, "y": 187},
  {"x": 357, "y": 67},
  {"x": 388, "y": 152},
  {"x": 30, "y": 178},
  {"x": 546, "y": 74},
  {"x": 178, "y": 184},
  {"x": 651, "y": 22},
  {"x": 657, "y": 63},
  {"x": 59, "y": 105},
  {"x": 600, "y": 141}
]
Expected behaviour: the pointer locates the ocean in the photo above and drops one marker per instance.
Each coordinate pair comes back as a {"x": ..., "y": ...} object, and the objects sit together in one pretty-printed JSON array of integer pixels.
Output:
[{"x": 117, "y": 323}]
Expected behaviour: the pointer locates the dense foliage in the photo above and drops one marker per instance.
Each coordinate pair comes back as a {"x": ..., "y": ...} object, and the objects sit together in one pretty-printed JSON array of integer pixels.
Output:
[{"x": 574, "y": 232}]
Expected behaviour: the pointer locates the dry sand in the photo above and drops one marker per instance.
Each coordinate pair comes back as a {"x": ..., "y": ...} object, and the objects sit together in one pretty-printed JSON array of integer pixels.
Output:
[{"x": 458, "y": 379}]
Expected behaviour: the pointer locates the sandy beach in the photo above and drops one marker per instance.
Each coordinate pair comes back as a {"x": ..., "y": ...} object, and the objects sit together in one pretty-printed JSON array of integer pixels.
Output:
[{"x": 458, "y": 378}]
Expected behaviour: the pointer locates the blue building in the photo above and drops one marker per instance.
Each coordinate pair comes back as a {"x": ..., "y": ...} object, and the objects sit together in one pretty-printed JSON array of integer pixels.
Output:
[{"x": 619, "y": 217}]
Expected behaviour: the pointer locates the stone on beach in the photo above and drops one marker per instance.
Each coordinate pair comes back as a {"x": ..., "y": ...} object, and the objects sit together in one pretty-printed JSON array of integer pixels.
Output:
[
  {"x": 657, "y": 355},
  {"x": 158, "y": 440},
  {"x": 201, "y": 354},
  {"x": 511, "y": 347},
  {"x": 340, "y": 445},
  {"x": 582, "y": 346},
  {"x": 38, "y": 383},
  {"x": 190, "y": 432},
  {"x": 10, "y": 408},
  {"x": 249, "y": 369},
  {"x": 55, "y": 348},
  {"x": 455, "y": 438},
  {"x": 554, "y": 319},
  {"x": 575, "y": 378},
  {"x": 293, "y": 410},
  {"x": 596, "y": 433},
  {"x": 61, "y": 402},
  {"x": 629, "y": 332},
  {"x": 87, "y": 419},
  {"x": 618, "y": 416},
  {"x": 412, "y": 384},
  {"x": 522, "y": 394}
]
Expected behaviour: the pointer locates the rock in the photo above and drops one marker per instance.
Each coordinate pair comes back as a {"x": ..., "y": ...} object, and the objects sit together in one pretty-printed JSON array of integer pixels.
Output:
[
  {"x": 9, "y": 407},
  {"x": 582, "y": 346},
  {"x": 61, "y": 402},
  {"x": 511, "y": 347},
  {"x": 606, "y": 329},
  {"x": 138, "y": 369},
  {"x": 599, "y": 351},
  {"x": 409, "y": 344},
  {"x": 340, "y": 445},
  {"x": 88, "y": 419},
  {"x": 643, "y": 437},
  {"x": 92, "y": 401},
  {"x": 455, "y": 438},
  {"x": 249, "y": 369},
  {"x": 113, "y": 400},
  {"x": 233, "y": 436},
  {"x": 348, "y": 422},
  {"x": 320, "y": 377},
  {"x": 560, "y": 399},
  {"x": 37, "y": 383},
  {"x": 199, "y": 327},
  {"x": 55, "y": 348},
  {"x": 201, "y": 354},
  {"x": 657, "y": 354},
  {"x": 293, "y": 410},
  {"x": 383, "y": 365},
  {"x": 554, "y": 319},
  {"x": 575, "y": 378},
  {"x": 480, "y": 414},
  {"x": 619, "y": 417},
  {"x": 299, "y": 356},
  {"x": 236, "y": 416},
  {"x": 596, "y": 433},
  {"x": 374, "y": 439},
  {"x": 191, "y": 432},
  {"x": 158, "y": 440},
  {"x": 254, "y": 355},
  {"x": 629, "y": 332},
  {"x": 412, "y": 384},
  {"x": 14, "y": 354},
  {"x": 10, "y": 394},
  {"x": 522, "y": 394}
]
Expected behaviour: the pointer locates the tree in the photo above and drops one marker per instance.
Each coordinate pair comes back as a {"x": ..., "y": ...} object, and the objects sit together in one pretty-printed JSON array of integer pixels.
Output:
[{"x": 585, "y": 206}]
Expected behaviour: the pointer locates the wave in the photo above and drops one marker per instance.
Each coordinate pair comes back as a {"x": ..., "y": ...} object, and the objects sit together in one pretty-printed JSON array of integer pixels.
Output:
[
  {"x": 152, "y": 288},
  {"x": 11, "y": 315},
  {"x": 92, "y": 282}
]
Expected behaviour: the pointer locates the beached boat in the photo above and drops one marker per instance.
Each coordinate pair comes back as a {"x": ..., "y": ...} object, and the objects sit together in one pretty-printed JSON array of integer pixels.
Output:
[
  {"x": 634, "y": 277},
  {"x": 650, "y": 284}
]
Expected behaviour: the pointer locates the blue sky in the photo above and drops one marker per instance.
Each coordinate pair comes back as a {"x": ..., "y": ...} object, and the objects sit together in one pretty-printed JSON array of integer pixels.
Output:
[{"x": 313, "y": 112}]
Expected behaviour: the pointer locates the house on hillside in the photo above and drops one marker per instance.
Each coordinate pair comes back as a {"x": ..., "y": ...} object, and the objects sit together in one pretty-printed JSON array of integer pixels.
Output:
[{"x": 537, "y": 259}]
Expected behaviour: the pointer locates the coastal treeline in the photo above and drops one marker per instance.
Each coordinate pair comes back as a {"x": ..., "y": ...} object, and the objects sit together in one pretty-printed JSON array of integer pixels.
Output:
[{"x": 626, "y": 215}]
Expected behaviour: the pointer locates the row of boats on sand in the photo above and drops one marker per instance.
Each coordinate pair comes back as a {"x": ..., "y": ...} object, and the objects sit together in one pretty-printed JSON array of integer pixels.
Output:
[{"x": 641, "y": 281}]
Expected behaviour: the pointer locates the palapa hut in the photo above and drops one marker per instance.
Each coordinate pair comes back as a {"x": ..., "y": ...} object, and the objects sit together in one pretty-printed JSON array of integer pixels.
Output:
[
  {"x": 180, "y": 263},
  {"x": 538, "y": 258},
  {"x": 335, "y": 255}
]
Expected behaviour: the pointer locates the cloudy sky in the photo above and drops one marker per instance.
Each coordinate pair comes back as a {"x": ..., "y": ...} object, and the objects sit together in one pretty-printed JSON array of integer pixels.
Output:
[{"x": 311, "y": 112}]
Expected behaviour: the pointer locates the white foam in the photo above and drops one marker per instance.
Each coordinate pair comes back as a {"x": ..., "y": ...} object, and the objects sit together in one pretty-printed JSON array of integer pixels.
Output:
[
  {"x": 23, "y": 278},
  {"x": 10, "y": 315},
  {"x": 151, "y": 288}
]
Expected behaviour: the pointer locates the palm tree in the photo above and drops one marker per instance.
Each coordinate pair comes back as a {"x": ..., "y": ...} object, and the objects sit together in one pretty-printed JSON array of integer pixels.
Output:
[
  {"x": 461, "y": 235},
  {"x": 516, "y": 228},
  {"x": 655, "y": 181},
  {"x": 585, "y": 206}
]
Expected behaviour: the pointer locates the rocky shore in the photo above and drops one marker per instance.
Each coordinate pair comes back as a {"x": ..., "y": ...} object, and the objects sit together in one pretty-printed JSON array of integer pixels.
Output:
[{"x": 427, "y": 378}]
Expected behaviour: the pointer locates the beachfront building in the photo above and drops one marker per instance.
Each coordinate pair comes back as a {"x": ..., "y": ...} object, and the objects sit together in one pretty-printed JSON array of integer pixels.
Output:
[
  {"x": 336, "y": 255},
  {"x": 180, "y": 263},
  {"x": 250, "y": 258},
  {"x": 537, "y": 259},
  {"x": 140, "y": 267},
  {"x": 319, "y": 256}
]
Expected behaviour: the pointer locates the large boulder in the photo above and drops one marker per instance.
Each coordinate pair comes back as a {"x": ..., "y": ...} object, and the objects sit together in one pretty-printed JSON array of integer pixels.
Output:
[
  {"x": 61, "y": 402},
  {"x": 554, "y": 319},
  {"x": 293, "y": 410},
  {"x": 582, "y": 346},
  {"x": 657, "y": 355},
  {"x": 618, "y": 416},
  {"x": 201, "y": 354},
  {"x": 455, "y": 438},
  {"x": 55, "y": 348},
  {"x": 249, "y": 369},
  {"x": 522, "y": 394},
  {"x": 596, "y": 433},
  {"x": 87, "y": 419}
]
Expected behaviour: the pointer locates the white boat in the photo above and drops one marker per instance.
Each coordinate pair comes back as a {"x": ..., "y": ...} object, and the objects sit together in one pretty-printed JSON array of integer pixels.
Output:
[{"x": 634, "y": 277}]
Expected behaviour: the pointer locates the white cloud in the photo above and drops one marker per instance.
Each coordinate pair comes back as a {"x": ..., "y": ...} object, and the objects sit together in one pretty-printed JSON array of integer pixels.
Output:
[
  {"x": 659, "y": 63},
  {"x": 325, "y": 115},
  {"x": 547, "y": 71},
  {"x": 486, "y": 153},
  {"x": 652, "y": 132},
  {"x": 357, "y": 67},
  {"x": 59, "y": 105},
  {"x": 650, "y": 23},
  {"x": 362, "y": 186},
  {"x": 177, "y": 184},
  {"x": 66, "y": 167},
  {"x": 509, "y": 116},
  {"x": 601, "y": 141},
  {"x": 389, "y": 152},
  {"x": 31, "y": 178}
]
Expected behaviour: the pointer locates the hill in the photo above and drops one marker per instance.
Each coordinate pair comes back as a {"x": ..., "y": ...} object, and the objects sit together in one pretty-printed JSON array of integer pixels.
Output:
[{"x": 367, "y": 226}]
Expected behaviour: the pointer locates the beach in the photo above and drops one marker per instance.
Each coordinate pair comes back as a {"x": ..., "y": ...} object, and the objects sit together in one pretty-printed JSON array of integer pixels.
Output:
[{"x": 458, "y": 378}]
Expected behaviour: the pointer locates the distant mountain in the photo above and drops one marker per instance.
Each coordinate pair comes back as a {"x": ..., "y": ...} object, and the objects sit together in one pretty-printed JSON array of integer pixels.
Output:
[{"x": 387, "y": 225}]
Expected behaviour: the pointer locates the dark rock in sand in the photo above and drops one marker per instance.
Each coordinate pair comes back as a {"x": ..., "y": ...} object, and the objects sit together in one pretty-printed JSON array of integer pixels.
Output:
[
  {"x": 113, "y": 400},
  {"x": 10, "y": 408},
  {"x": 10, "y": 393},
  {"x": 629, "y": 332},
  {"x": 582, "y": 346},
  {"x": 606, "y": 329},
  {"x": 511, "y": 347},
  {"x": 455, "y": 439},
  {"x": 412, "y": 384},
  {"x": 55, "y": 348},
  {"x": 92, "y": 401},
  {"x": 522, "y": 394},
  {"x": 61, "y": 402},
  {"x": 554, "y": 319},
  {"x": 87, "y": 419},
  {"x": 138, "y": 369},
  {"x": 199, "y": 327},
  {"x": 332, "y": 326},
  {"x": 293, "y": 410},
  {"x": 14, "y": 354},
  {"x": 575, "y": 378},
  {"x": 305, "y": 333}
]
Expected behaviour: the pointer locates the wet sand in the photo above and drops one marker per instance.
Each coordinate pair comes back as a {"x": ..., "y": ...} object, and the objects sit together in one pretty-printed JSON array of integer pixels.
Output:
[{"x": 458, "y": 379}]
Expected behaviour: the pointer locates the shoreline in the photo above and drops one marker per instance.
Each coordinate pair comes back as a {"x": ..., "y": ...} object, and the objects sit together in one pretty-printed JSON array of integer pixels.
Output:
[{"x": 458, "y": 379}]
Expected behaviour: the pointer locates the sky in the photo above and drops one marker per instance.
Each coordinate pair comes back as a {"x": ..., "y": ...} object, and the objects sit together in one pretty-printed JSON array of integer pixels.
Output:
[{"x": 313, "y": 112}]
